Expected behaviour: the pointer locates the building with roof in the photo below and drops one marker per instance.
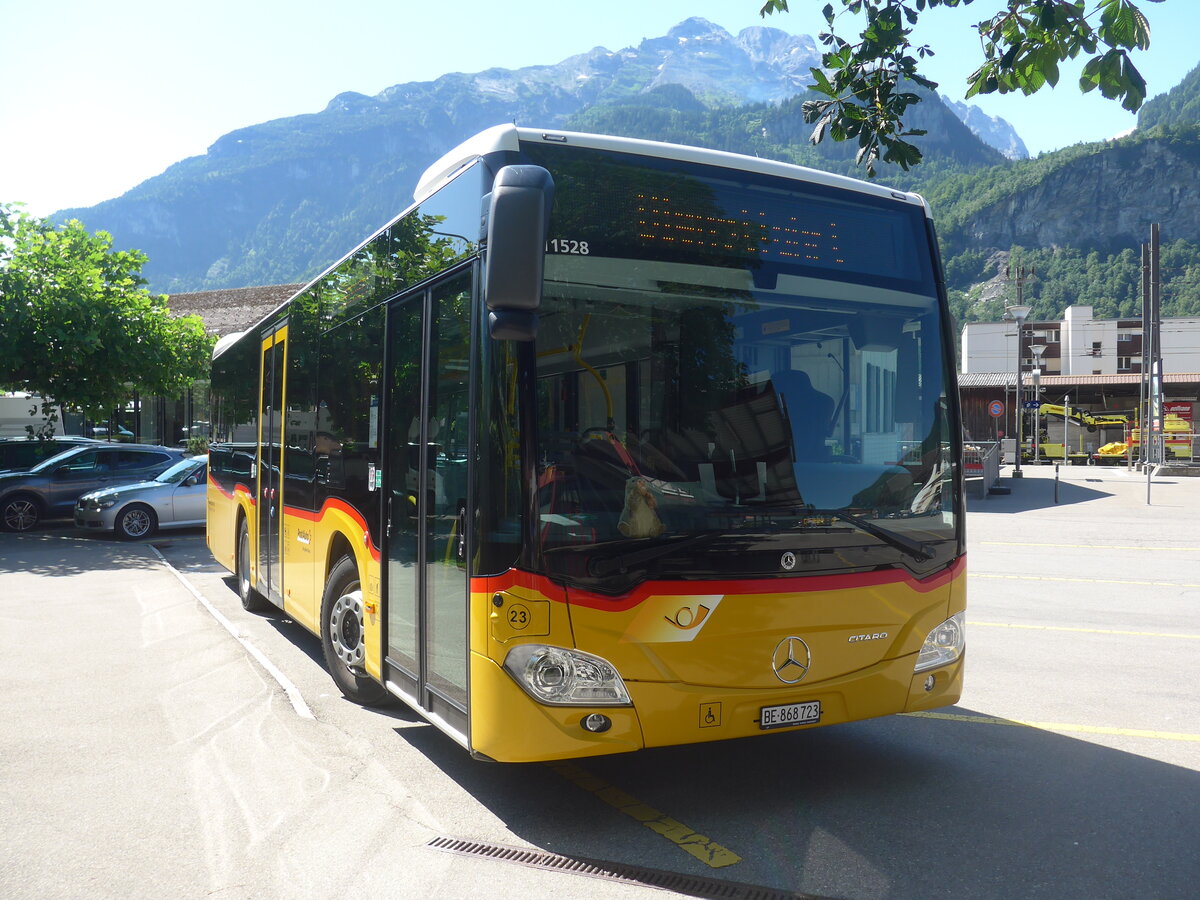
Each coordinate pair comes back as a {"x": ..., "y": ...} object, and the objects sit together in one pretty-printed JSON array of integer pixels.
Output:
[
  {"x": 231, "y": 310},
  {"x": 1095, "y": 364}
]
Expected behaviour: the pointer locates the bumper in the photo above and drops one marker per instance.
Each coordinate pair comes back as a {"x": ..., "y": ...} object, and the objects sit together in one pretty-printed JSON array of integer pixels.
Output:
[
  {"x": 92, "y": 519},
  {"x": 508, "y": 726}
]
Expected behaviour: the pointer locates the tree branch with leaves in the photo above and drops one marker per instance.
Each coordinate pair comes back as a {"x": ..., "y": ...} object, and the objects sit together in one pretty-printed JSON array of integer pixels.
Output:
[
  {"x": 865, "y": 86},
  {"x": 77, "y": 325}
]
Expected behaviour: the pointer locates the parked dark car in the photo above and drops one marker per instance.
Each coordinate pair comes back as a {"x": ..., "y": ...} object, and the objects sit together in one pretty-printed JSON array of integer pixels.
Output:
[
  {"x": 49, "y": 490},
  {"x": 20, "y": 454}
]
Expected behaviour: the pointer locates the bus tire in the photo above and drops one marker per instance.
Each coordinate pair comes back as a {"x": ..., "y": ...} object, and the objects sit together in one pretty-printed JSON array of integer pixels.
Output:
[
  {"x": 342, "y": 635},
  {"x": 252, "y": 600}
]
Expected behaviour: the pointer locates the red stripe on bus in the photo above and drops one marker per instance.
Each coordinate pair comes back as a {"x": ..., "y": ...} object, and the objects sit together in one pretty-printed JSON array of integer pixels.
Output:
[
  {"x": 334, "y": 503},
  {"x": 799, "y": 585}
]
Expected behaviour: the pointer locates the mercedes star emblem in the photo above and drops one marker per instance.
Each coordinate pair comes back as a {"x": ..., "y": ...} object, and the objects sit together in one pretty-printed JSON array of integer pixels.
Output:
[{"x": 791, "y": 660}]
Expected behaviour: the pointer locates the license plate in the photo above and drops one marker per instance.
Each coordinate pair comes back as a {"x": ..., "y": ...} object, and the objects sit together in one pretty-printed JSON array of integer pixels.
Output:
[{"x": 790, "y": 714}]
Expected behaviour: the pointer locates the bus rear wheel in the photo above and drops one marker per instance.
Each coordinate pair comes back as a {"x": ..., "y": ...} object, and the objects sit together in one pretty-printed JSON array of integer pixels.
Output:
[
  {"x": 342, "y": 636},
  {"x": 252, "y": 600}
]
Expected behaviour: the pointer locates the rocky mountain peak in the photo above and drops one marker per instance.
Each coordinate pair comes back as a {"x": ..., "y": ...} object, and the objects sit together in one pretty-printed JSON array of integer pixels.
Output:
[
  {"x": 696, "y": 27},
  {"x": 992, "y": 130}
]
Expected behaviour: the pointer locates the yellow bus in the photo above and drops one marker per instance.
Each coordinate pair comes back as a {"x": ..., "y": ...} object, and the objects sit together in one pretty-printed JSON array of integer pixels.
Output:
[{"x": 606, "y": 444}]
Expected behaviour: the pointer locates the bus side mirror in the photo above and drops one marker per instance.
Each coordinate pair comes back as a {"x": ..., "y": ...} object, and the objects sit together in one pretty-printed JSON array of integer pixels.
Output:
[{"x": 518, "y": 216}]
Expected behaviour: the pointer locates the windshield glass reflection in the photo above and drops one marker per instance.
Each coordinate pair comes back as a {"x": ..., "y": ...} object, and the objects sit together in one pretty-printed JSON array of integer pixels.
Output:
[{"x": 688, "y": 409}]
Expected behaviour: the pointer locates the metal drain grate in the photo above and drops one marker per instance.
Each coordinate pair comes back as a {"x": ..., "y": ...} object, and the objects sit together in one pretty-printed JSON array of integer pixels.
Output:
[{"x": 691, "y": 885}]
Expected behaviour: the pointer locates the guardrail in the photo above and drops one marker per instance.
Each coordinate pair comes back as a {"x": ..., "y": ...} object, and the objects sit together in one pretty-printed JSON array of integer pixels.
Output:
[
  {"x": 1179, "y": 447},
  {"x": 981, "y": 464}
]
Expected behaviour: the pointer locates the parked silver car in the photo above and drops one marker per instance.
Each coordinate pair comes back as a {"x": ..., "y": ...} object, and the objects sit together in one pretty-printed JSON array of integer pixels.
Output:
[
  {"x": 49, "y": 490},
  {"x": 174, "y": 499}
]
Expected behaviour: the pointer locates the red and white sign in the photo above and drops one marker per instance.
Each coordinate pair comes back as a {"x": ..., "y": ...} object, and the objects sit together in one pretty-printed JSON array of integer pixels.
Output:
[{"x": 1181, "y": 408}]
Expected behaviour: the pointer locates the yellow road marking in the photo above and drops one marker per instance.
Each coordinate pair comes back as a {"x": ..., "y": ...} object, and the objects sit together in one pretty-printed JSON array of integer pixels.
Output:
[
  {"x": 1182, "y": 584},
  {"x": 708, "y": 852},
  {"x": 1062, "y": 726},
  {"x": 1085, "y": 546},
  {"x": 1164, "y": 634}
]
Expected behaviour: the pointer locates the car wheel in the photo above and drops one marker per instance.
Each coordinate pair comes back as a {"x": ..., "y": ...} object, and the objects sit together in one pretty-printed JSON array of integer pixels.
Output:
[
  {"x": 20, "y": 513},
  {"x": 252, "y": 600},
  {"x": 342, "y": 635},
  {"x": 136, "y": 521}
]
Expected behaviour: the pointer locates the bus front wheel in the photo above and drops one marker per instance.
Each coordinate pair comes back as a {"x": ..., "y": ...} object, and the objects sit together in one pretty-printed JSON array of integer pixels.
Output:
[{"x": 342, "y": 635}]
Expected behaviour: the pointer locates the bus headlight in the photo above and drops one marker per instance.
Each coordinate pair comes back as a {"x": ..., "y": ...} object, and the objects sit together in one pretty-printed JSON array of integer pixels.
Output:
[
  {"x": 944, "y": 644},
  {"x": 560, "y": 677}
]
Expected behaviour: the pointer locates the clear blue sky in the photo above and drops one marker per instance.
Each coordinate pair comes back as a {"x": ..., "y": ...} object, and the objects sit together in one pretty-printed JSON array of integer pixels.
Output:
[{"x": 98, "y": 97}]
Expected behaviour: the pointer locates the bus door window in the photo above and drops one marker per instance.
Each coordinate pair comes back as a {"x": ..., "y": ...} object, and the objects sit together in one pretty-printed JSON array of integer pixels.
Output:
[
  {"x": 426, "y": 481},
  {"x": 270, "y": 506},
  {"x": 402, "y": 472},
  {"x": 445, "y": 518}
]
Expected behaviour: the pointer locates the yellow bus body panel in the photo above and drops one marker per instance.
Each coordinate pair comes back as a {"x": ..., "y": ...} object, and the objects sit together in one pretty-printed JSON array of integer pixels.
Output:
[
  {"x": 221, "y": 524},
  {"x": 727, "y": 661},
  {"x": 309, "y": 540}
]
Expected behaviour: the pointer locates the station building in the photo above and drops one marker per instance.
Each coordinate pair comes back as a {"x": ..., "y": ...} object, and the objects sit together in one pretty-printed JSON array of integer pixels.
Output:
[{"x": 1081, "y": 361}]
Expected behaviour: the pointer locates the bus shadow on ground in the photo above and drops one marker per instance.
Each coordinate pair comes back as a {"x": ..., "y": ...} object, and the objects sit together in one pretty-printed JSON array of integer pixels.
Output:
[{"x": 895, "y": 807}]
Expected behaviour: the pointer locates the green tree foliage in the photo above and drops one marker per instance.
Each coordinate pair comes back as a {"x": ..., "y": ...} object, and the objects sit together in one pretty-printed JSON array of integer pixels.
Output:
[
  {"x": 866, "y": 87},
  {"x": 77, "y": 324},
  {"x": 1178, "y": 106}
]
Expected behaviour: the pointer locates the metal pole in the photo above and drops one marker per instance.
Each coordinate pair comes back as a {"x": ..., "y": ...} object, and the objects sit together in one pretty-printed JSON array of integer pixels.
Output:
[
  {"x": 1019, "y": 404},
  {"x": 1018, "y": 314},
  {"x": 1156, "y": 363},
  {"x": 1037, "y": 416},
  {"x": 1144, "y": 381},
  {"x": 1066, "y": 422}
]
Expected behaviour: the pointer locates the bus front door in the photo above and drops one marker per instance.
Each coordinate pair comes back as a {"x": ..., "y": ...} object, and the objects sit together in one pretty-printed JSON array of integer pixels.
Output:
[{"x": 425, "y": 479}]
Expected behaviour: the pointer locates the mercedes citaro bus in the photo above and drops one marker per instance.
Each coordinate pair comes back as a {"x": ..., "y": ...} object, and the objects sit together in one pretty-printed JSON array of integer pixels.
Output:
[{"x": 606, "y": 444}]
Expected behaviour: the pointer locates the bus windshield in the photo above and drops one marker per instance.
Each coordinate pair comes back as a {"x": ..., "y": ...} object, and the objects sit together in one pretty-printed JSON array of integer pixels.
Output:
[{"x": 731, "y": 375}]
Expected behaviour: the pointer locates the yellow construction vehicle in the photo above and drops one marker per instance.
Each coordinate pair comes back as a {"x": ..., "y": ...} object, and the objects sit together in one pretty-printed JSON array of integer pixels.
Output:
[
  {"x": 1085, "y": 419},
  {"x": 1177, "y": 432}
]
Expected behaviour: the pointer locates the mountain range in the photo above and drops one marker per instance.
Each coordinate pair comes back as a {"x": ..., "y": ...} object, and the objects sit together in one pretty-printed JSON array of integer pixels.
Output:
[{"x": 279, "y": 201}]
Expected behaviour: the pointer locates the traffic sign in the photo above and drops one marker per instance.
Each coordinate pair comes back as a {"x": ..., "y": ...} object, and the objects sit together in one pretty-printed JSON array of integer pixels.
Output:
[
  {"x": 1032, "y": 404},
  {"x": 996, "y": 409}
]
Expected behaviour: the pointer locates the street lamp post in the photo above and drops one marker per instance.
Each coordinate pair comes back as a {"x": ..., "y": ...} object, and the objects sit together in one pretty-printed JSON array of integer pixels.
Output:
[
  {"x": 1038, "y": 350},
  {"x": 1018, "y": 314}
]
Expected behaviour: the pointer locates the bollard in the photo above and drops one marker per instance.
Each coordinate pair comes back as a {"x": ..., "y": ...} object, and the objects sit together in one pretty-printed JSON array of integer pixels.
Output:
[{"x": 1056, "y": 482}]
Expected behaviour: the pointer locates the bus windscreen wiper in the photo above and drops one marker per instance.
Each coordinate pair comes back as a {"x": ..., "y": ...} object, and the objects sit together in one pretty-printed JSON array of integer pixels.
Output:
[
  {"x": 916, "y": 549},
  {"x": 601, "y": 568}
]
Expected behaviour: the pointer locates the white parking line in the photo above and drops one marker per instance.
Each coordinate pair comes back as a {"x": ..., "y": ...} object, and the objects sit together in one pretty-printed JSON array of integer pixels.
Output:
[
  {"x": 1182, "y": 584},
  {"x": 1088, "y": 546},
  {"x": 1162, "y": 634},
  {"x": 289, "y": 688}
]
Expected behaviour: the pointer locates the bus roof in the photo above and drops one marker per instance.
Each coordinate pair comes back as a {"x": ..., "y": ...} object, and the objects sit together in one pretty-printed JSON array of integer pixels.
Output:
[{"x": 508, "y": 137}]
